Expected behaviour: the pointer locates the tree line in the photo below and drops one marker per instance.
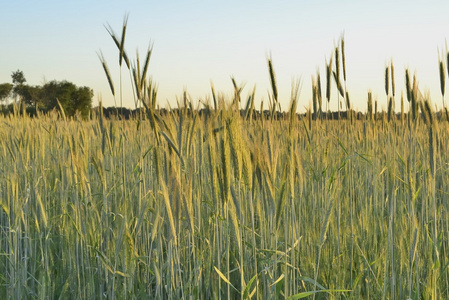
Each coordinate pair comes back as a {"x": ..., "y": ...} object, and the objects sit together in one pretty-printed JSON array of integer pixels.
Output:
[{"x": 73, "y": 99}]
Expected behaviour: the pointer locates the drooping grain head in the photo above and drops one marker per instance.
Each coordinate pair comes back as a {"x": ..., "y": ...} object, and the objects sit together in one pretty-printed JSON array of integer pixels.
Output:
[
  {"x": 214, "y": 97},
  {"x": 318, "y": 82},
  {"x": 314, "y": 97},
  {"x": 147, "y": 63},
  {"x": 414, "y": 94},
  {"x": 348, "y": 102},
  {"x": 106, "y": 70},
  {"x": 118, "y": 44},
  {"x": 328, "y": 79},
  {"x": 408, "y": 85},
  {"x": 343, "y": 57},
  {"x": 337, "y": 63},
  {"x": 237, "y": 92},
  {"x": 442, "y": 77},
  {"x": 273, "y": 79},
  {"x": 387, "y": 80},
  {"x": 338, "y": 83},
  {"x": 122, "y": 42}
]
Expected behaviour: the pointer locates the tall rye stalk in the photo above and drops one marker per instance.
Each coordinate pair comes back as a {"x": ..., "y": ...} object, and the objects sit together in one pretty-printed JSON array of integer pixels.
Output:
[
  {"x": 319, "y": 93},
  {"x": 433, "y": 133},
  {"x": 314, "y": 98},
  {"x": 273, "y": 87},
  {"x": 120, "y": 43},
  {"x": 391, "y": 113},
  {"x": 328, "y": 83},
  {"x": 336, "y": 74},
  {"x": 343, "y": 59}
]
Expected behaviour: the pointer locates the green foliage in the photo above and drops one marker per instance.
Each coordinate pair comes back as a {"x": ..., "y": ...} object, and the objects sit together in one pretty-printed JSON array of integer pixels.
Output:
[
  {"x": 5, "y": 90},
  {"x": 29, "y": 95},
  {"x": 118, "y": 209},
  {"x": 71, "y": 97},
  {"x": 18, "y": 78}
]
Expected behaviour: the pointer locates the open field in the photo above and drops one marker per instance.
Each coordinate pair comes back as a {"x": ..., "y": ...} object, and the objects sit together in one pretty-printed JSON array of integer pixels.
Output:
[
  {"x": 217, "y": 206},
  {"x": 228, "y": 203}
]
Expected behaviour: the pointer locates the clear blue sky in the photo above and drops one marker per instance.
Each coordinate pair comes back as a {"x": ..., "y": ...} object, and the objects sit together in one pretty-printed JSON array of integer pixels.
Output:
[{"x": 199, "y": 41}]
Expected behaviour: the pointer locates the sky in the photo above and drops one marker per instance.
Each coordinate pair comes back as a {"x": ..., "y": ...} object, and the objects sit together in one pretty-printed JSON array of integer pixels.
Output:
[{"x": 199, "y": 42}]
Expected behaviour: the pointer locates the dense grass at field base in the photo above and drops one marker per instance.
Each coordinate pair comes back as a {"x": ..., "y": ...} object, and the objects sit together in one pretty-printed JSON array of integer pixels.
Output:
[{"x": 218, "y": 206}]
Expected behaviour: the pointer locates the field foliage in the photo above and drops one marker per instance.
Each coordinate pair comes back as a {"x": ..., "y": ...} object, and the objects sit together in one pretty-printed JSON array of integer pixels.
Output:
[
  {"x": 228, "y": 203},
  {"x": 217, "y": 206}
]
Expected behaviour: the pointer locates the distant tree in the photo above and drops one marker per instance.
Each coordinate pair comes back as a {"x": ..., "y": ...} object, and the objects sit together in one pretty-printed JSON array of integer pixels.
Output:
[
  {"x": 24, "y": 93},
  {"x": 35, "y": 95},
  {"x": 5, "y": 90},
  {"x": 18, "y": 78},
  {"x": 71, "y": 97},
  {"x": 20, "y": 89}
]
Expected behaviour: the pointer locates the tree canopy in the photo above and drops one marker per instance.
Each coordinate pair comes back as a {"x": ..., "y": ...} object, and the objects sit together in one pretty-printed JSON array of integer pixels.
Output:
[
  {"x": 5, "y": 90},
  {"x": 72, "y": 98},
  {"x": 18, "y": 78}
]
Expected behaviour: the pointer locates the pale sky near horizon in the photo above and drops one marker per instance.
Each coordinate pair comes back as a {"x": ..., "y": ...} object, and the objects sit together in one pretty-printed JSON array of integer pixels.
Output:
[{"x": 196, "y": 42}]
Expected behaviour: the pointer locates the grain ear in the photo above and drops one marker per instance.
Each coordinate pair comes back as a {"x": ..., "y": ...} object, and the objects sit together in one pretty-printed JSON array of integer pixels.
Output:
[
  {"x": 343, "y": 57},
  {"x": 328, "y": 79},
  {"x": 387, "y": 80},
  {"x": 106, "y": 70},
  {"x": 408, "y": 86}
]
